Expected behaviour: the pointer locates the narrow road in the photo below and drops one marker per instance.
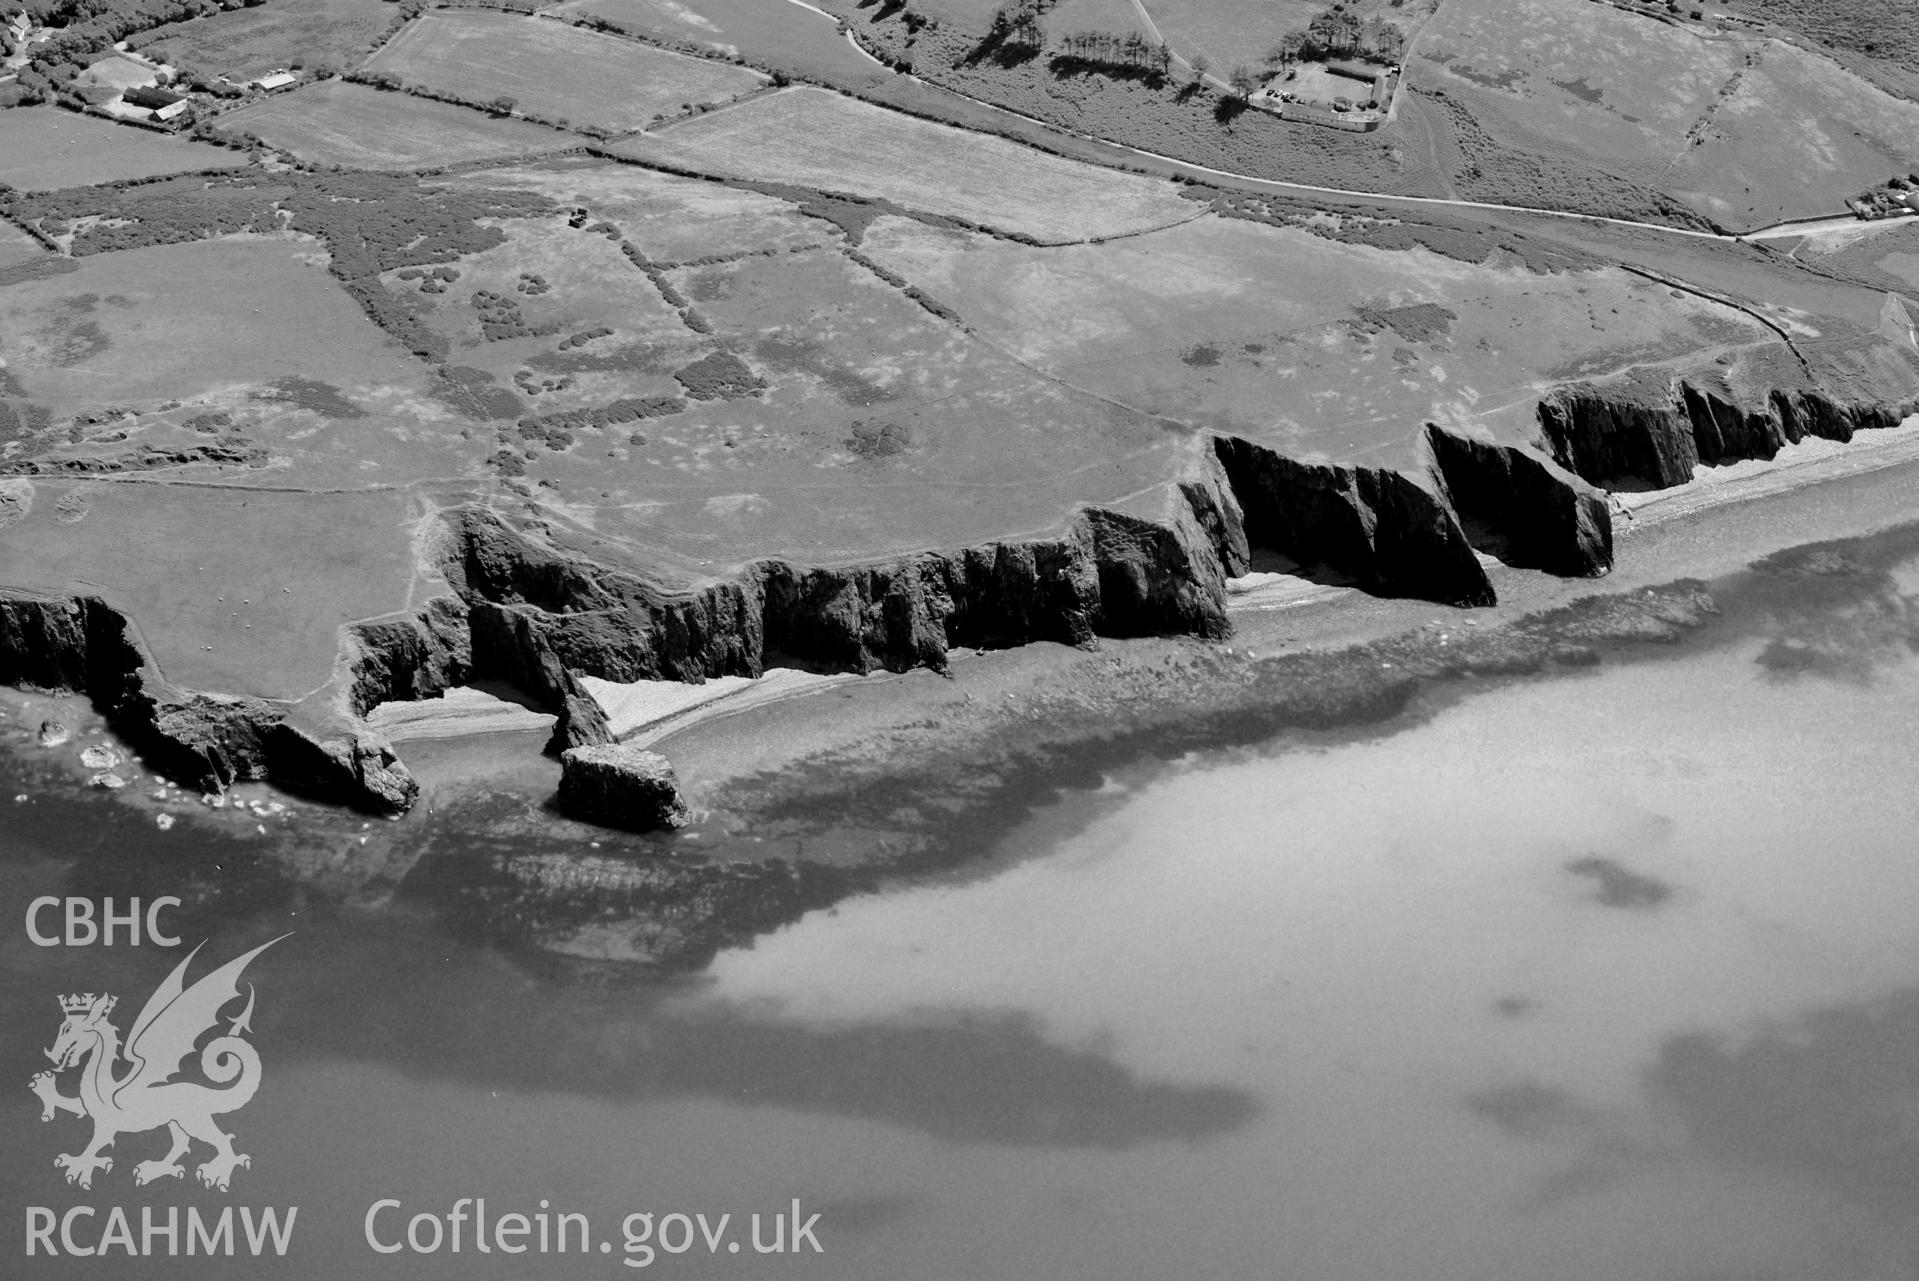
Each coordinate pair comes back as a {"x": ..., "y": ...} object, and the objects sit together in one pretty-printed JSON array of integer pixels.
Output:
[{"x": 1287, "y": 188}]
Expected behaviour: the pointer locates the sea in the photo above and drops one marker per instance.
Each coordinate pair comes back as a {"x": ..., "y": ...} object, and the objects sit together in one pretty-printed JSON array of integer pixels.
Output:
[{"x": 1606, "y": 973}]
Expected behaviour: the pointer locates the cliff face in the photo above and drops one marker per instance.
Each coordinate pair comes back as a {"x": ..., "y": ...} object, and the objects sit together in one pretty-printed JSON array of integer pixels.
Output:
[
  {"x": 1651, "y": 427},
  {"x": 1542, "y": 516},
  {"x": 1397, "y": 537},
  {"x": 529, "y": 612},
  {"x": 81, "y": 645},
  {"x": 526, "y": 610}
]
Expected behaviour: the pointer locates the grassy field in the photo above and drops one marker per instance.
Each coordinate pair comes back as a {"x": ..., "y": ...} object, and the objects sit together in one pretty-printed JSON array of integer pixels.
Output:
[
  {"x": 554, "y": 71},
  {"x": 347, "y": 124},
  {"x": 976, "y": 447},
  {"x": 1121, "y": 17},
  {"x": 768, "y": 34},
  {"x": 191, "y": 323},
  {"x": 16, "y": 246},
  {"x": 1744, "y": 129},
  {"x": 821, "y": 139},
  {"x": 1418, "y": 153},
  {"x": 585, "y": 284},
  {"x": 1797, "y": 138},
  {"x": 238, "y": 592},
  {"x": 671, "y": 219},
  {"x": 244, "y": 43},
  {"x": 42, "y": 148},
  {"x": 1611, "y": 86},
  {"x": 1882, "y": 29},
  {"x": 249, "y": 346},
  {"x": 1331, "y": 351},
  {"x": 1228, "y": 31}
]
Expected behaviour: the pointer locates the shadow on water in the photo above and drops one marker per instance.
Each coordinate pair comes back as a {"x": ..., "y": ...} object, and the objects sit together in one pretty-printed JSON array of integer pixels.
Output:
[
  {"x": 454, "y": 974},
  {"x": 395, "y": 986},
  {"x": 1833, "y": 1096},
  {"x": 1616, "y": 885},
  {"x": 1835, "y": 611}
]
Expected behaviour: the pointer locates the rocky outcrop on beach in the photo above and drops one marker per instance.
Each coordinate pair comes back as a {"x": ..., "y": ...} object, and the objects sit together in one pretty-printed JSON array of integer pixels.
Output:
[{"x": 620, "y": 786}]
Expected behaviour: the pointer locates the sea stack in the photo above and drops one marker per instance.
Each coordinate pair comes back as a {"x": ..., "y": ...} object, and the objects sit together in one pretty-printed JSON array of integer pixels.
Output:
[{"x": 620, "y": 786}]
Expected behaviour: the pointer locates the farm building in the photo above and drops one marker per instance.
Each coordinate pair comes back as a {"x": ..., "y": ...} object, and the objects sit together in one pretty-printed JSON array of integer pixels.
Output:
[
  {"x": 275, "y": 80},
  {"x": 163, "y": 105}
]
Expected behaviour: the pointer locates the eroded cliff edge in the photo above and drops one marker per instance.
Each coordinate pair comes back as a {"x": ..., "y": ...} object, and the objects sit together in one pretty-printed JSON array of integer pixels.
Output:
[
  {"x": 207, "y": 740},
  {"x": 1651, "y": 425},
  {"x": 529, "y": 606}
]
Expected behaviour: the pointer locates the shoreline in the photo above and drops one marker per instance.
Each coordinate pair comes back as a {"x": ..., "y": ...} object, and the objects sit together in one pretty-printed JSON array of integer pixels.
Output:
[
  {"x": 832, "y": 787},
  {"x": 916, "y": 777},
  {"x": 1713, "y": 526}
]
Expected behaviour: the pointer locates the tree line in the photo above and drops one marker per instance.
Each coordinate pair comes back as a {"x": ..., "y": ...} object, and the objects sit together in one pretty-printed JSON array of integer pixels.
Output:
[{"x": 1131, "y": 50}]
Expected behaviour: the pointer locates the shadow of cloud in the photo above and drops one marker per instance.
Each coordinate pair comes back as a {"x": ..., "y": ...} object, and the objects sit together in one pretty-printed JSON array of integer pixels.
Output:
[
  {"x": 1834, "y": 1095},
  {"x": 1619, "y": 886},
  {"x": 1835, "y": 611},
  {"x": 417, "y": 992}
]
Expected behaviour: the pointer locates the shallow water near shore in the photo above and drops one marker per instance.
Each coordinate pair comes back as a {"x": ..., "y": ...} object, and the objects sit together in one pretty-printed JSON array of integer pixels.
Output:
[{"x": 1607, "y": 974}]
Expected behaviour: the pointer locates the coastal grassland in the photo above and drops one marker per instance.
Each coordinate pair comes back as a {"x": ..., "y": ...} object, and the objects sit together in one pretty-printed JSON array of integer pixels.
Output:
[
  {"x": 1118, "y": 17},
  {"x": 1619, "y": 88},
  {"x": 670, "y": 218},
  {"x": 244, "y": 343},
  {"x": 1880, "y": 254},
  {"x": 770, "y": 35},
  {"x": 1882, "y": 29},
  {"x": 555, "y": 71},
  {"x": 337, "y": 123},
  {"x": 825, "y": 140},
  {"x": 1746, "y": 130},
  {"x": 238, "y": 592},
  {"x": 523, "y": 312},
  {"x": 1321, "y": 349},
  {"x": 244, "y": 43},
  {"x": 971, "y": 15},
  {"x": 879, "y": 429},
  {"x": 43, "y": 148},
  {"x": 17, "y": 247},
  {"x": 1798, "y": 137}
]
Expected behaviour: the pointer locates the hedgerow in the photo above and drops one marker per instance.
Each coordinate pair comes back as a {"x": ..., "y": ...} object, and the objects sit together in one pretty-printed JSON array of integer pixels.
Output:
[{"x": 371, "y": 223}]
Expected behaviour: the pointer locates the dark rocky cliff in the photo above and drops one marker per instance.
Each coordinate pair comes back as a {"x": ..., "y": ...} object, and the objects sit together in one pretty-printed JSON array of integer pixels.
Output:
[
  {"x": 206, "y": 740},
  {"x": 1651, "y": 426},
  {"x": 1541, "y": 516},
  {"x": 1391, "y": 532},
  {"x": 526, "y": 609}
]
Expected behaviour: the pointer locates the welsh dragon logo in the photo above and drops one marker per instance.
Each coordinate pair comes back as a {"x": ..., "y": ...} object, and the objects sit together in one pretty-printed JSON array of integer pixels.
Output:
[{"x": 143, "y": 1095}]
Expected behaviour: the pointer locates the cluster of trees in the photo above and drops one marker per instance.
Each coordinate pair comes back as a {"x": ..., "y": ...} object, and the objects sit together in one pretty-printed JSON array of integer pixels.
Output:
[
  {"x": 1018, "y": 23},
  {"x": 86, "y": 28},
  {"x": 1131, "y": 51},
  {"x": 1339, "y": 34}
]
